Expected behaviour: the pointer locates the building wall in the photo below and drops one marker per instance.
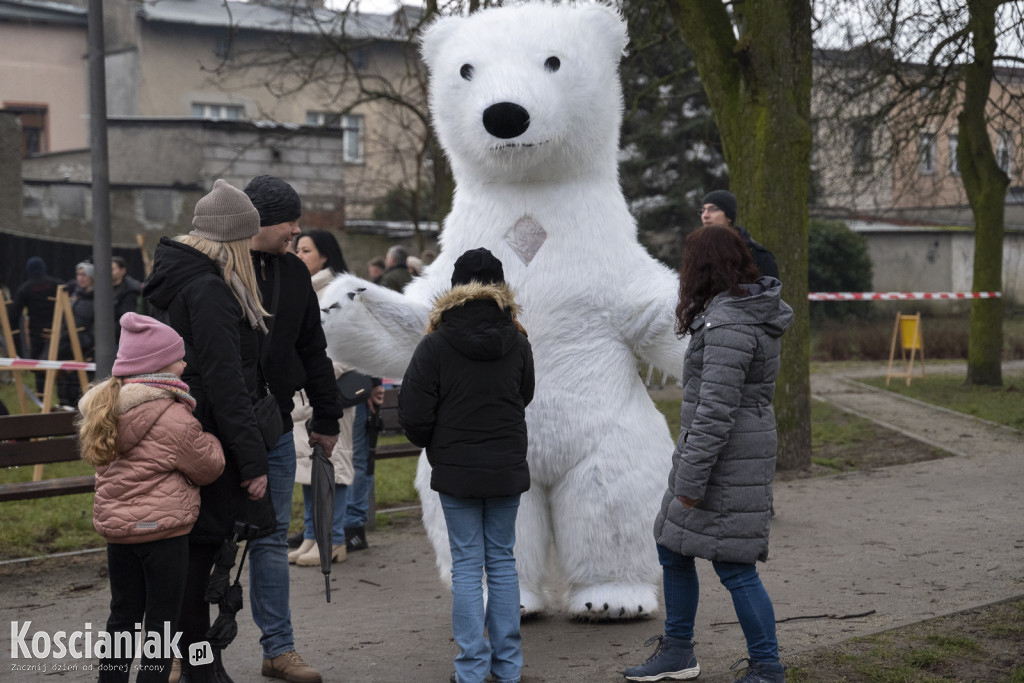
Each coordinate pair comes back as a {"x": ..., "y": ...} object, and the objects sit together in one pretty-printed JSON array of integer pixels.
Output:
[
  {"x": 10, "y": 171},
  {"x": 937, "y": 261},
  {"x": 46, "y": 64},
  {"x": 162, "y": 167}
]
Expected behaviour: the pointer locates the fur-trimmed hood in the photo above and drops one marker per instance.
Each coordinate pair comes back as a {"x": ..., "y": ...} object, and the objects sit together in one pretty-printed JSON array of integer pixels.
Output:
[
  {"x": 461, "y": 294},
  {"x": 131, "y": 432},
  {"x": 478, "y": 320}
]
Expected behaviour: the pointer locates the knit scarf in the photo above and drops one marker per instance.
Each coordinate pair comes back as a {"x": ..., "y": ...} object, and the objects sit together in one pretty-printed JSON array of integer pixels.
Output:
[{"x": 168, "y": 382}]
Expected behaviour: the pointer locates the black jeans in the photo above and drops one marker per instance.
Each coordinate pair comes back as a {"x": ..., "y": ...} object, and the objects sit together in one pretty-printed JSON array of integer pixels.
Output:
[
  {"x": 145, "y": 579},
  {"x": 195, "y": 611}
]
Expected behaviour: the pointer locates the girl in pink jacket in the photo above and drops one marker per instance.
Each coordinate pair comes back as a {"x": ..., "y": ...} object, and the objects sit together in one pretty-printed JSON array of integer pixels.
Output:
[{"x": 151, "y": 455}]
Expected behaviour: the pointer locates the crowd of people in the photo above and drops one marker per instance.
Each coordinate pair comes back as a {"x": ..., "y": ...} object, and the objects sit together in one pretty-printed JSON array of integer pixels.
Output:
[{"x": 220, "y": 393}]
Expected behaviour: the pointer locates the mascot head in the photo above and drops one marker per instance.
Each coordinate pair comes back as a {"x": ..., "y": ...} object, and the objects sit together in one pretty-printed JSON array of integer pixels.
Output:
[{"x": 527, "y": 92}]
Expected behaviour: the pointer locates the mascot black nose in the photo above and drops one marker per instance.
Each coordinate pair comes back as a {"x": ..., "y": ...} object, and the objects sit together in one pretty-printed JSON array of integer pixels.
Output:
[{"x": 506, "y": 120}]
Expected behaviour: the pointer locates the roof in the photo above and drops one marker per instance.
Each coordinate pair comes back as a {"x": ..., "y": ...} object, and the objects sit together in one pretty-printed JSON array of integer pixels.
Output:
[
  {"x": 39, "y": 11},
  {"x": 276, "y": 17}
]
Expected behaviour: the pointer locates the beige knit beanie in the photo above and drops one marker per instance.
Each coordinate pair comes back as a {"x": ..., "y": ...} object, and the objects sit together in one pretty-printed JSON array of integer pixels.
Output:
[{"x": 225, "y": 215}]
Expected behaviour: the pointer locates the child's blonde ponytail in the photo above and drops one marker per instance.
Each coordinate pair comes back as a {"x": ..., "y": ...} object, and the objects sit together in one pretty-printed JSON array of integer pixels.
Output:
[{"x": 97, "y": 426}]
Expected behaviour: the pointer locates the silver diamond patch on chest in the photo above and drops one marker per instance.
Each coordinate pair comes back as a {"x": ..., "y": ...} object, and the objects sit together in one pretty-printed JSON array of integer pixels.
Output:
[{"x": 525, "y": 238}]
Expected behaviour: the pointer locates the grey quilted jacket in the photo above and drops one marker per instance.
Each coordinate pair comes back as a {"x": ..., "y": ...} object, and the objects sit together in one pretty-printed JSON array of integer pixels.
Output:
[{"x": 725, "y": 456}]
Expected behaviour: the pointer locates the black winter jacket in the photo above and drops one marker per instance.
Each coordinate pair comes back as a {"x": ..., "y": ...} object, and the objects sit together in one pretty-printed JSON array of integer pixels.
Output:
[
  {"x": 187, "y": 291},
  {"x": 36, "y": 295},
  {"x": 297, "y": 358},
  {"x": 465, "y": 393},
  {"x": 764, "y": 259}
]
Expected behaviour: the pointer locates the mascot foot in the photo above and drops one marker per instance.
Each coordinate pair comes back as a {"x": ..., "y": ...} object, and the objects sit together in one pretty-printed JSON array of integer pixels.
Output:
[
  {"x": 613, "y": 602},
  {"x": 530, "y": 604}
]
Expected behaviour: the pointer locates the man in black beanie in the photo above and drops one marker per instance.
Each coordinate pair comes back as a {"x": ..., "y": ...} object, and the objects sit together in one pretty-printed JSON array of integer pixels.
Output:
[
  {"x": 294, "y": 358},
  {"x": 718, "y": 210}
]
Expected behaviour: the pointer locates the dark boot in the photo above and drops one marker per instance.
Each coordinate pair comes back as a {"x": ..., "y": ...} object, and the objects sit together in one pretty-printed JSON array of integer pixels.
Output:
[
  {"x": 672, "y": 660},
  {"x": 761, "y": 672},
  {"x": 219, "y": 674},
  {"x": 355, "y": 539}
]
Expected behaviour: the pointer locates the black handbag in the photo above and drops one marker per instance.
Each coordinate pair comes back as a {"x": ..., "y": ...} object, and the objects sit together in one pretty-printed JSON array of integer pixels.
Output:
[{"x": 354, "y": 388}]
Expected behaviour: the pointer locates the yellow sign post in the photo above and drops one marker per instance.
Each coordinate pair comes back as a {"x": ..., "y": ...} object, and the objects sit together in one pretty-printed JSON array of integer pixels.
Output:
[{"x": 908, "y": 333}]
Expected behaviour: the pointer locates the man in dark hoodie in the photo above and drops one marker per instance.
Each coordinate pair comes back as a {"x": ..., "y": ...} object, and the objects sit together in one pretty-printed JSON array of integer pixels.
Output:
[
  {"x": 718, "y": 210},
  {"x": 35, "y": 297},
  {"x": 464, "y": 399},
  {"x": 294, "y": 357}
]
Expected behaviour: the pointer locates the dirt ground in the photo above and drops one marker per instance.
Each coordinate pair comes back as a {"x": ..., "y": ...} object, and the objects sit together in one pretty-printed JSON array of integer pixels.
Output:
[{"x": 882, "y": 563}]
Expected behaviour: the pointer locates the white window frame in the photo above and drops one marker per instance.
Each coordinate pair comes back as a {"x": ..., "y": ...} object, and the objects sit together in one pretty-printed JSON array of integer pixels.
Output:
[
  {"x": 352, "y": 127},
  {"x": 926, "y": 153},
  {"x": 218, "y": 112},
  {"x": 1004, "y": 151}
]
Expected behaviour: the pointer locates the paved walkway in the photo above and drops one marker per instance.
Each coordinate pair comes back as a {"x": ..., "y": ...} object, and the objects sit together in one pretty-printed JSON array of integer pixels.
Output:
[{"x": 851, "y": 554}]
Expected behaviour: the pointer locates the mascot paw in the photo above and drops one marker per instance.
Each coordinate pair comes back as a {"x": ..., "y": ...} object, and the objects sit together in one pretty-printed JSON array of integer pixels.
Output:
[
  {"x": 530, "y": 604},
  {"x": 613, "y": 602}
]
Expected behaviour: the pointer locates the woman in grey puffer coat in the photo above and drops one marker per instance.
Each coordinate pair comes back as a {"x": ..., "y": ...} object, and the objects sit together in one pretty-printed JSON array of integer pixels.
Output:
[{"x": 718, "y": 503}]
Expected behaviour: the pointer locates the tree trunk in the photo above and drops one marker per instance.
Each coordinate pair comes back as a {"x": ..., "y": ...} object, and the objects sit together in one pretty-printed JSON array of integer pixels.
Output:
[
  {"x": 985, "y": 184},
  {"x": 759, "y": 86}
]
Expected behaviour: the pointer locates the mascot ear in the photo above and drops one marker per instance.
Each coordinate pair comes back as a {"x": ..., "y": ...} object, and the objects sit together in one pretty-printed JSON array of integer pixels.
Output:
[
  {"x": 606, "y": 25},
  {"x": 435, "y": 36}
]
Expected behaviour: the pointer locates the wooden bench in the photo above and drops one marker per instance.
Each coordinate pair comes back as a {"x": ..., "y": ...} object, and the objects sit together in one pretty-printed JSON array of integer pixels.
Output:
[{"x": 40, "y": 439}]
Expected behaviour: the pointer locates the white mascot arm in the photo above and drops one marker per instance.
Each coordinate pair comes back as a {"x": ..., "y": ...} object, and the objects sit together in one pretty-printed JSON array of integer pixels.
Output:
[
  {"x": 648, "y": 321},
  {"x": 369, "y": 327}
]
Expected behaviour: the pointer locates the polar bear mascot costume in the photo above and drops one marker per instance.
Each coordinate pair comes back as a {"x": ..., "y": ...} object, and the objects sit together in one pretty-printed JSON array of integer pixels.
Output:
[{"x": 527, "y": 104}]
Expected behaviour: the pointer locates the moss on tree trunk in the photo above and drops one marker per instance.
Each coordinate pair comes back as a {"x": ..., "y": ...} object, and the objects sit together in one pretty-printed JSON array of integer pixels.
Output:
[{"x": 759, "y": 86}]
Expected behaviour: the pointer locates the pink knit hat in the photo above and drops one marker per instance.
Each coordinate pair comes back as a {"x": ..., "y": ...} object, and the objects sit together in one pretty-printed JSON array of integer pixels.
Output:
[{"x": 147, "y": 345}]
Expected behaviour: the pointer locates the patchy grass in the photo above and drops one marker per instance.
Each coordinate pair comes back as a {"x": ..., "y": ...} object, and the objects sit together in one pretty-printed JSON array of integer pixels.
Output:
[
  {"x": 983, "y": 644},
  {"x": 997, "y": 404}
]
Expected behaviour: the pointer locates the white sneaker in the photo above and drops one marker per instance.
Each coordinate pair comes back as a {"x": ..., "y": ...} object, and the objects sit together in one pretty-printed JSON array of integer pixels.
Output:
[{"x": 312, "y": 557}]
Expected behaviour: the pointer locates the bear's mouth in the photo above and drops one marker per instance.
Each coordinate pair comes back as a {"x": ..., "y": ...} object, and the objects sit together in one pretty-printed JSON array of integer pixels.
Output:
[{"x": 517, "y": 145}]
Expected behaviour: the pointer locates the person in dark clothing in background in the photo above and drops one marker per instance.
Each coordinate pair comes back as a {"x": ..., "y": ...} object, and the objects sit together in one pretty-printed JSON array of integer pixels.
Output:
[
  {"x": 296, "y": 359},
  {"x": 464, "y": 399},
  {"x": 718, "y": 210},
  {"x": 35, "y": 298},
  {"x": 127, "y": 291},
  {"x": 83, "y": 309},
  {"x": 396, "y": 274}
]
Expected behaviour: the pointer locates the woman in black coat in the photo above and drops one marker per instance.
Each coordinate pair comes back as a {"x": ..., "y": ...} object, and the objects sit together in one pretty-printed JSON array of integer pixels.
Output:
[
  {"x": 464, "y": 399},
  {"x": 203, "y": 285}
]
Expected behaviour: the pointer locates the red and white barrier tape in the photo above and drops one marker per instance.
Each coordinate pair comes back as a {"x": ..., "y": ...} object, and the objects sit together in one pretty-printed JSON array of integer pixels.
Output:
[
  {"x": 30, "y": 364},
  {"x": 899, "y": 296}
]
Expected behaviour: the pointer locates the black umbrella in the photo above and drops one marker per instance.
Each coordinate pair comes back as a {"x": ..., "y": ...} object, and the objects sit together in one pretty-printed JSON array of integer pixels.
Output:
[
  {"x": 322, "y": 485},
  {"x": 225, "y": 626}
]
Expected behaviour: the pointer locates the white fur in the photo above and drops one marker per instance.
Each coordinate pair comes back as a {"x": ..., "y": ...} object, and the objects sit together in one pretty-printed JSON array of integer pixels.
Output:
[{"x": 593, "y": 300}]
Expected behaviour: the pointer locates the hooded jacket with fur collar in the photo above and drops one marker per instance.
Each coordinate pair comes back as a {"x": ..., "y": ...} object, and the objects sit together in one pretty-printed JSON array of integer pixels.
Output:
[
  {"x": 465, "y": 393},
  {"x": 150, "y": 491}
]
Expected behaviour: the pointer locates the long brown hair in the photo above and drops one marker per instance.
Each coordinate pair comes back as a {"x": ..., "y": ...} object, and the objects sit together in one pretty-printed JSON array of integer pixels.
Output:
[{"x": 715, "y": 260}]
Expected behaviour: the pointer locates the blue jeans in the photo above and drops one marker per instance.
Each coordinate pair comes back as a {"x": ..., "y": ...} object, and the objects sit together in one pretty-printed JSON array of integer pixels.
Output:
[
  {"x": 268, "y": 556},
  {"x": 749, "y": 598},
  {"x": 481, "y": 534},
  {"x": 362, "y": 483},
  {"x": 340, "y": 504}
]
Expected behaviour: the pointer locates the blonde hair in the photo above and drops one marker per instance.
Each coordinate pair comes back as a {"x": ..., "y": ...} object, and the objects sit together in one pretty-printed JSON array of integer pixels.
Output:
[
  {"x": 97, "y": 425},
  {"x": 233, "y": 258}
]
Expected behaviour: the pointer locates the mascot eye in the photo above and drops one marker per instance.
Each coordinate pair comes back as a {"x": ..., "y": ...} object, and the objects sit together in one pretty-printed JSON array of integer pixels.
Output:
[
  {"x": 552, "y": 64},
  {"x": 466, "y": 72}
]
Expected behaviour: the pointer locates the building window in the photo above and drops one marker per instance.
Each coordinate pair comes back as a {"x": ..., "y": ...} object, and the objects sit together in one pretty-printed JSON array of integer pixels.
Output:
[
  {"x": 34, "y": 138},
  {"x": 862, "y": 147},
  {"x": 954, "y": 165},
  {"x": 222, "y": 48},
  {"x": 926, "y": 153},
  {"x": 217, "y": 112},
  {"x": 351, "y": 124},
  {"x": 1004, "y": 151}
]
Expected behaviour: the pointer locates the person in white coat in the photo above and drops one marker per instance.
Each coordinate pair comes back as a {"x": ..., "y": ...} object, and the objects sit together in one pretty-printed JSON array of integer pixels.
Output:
[{"x": 319, "y": 250}]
